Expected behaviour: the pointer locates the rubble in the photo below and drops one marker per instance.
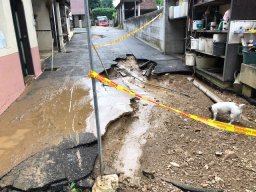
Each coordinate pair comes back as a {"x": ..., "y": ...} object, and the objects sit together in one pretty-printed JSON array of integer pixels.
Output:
[{"x": 106, "y": 183}]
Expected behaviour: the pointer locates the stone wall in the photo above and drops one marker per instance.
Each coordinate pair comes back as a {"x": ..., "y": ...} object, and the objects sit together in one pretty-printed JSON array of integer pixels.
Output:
[{"x": 152, "y": 34}]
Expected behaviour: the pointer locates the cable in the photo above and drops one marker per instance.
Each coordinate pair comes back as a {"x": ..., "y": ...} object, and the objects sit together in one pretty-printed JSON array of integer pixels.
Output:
[{"x": 100, "y": 60}]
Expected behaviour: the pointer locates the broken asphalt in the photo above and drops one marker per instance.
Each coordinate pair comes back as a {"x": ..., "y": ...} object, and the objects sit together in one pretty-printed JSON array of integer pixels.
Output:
[{"x": 47, "y": 136}]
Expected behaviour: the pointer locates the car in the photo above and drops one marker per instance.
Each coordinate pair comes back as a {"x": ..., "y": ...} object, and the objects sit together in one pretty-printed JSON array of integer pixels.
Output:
[{"x": 102, "y": 21}]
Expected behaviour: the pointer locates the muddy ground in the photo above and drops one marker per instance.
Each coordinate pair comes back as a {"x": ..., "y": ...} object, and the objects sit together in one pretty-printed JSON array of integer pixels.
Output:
[{"x": 174, "y": 147}]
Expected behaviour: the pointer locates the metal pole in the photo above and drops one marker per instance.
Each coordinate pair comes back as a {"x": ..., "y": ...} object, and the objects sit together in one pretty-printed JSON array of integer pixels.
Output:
[{"x": 95, "y": 100}]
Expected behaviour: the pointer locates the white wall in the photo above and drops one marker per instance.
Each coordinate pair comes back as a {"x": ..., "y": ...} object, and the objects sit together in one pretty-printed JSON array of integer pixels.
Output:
[
  {"x": 152, "y": 34},
  {"x": 7, "y": 26},
  {"x": 30, "y": 23}
]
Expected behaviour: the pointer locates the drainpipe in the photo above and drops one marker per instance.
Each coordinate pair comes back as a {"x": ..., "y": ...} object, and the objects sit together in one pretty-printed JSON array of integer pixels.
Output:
[
  {"x": 138, "y": 9},
  {"x": 56, "y": 26}
]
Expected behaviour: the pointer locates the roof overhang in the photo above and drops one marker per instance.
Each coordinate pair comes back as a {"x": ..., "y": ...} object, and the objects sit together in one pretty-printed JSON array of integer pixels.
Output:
[{"x": 128, "y": 1}]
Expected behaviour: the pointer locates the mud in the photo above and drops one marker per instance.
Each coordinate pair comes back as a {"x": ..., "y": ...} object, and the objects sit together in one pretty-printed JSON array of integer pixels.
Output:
[{"x": 42, "y": 126}]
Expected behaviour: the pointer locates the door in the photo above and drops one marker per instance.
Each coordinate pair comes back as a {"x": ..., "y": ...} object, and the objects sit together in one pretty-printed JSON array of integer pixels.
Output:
[{"x": 21, "y": 31}]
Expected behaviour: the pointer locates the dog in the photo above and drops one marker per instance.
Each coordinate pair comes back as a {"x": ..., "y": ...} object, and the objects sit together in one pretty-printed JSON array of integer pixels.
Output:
[{"x": 227, "y": 107}]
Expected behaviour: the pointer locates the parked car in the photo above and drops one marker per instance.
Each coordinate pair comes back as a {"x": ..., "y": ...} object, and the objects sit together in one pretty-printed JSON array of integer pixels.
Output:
[{"x": 102, "y": 21}]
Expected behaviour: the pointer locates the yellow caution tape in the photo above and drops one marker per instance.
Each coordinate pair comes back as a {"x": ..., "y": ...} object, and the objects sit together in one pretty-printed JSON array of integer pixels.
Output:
[
  {"x": 128, "y": 34},
  {"x": 210, "y": 122}
]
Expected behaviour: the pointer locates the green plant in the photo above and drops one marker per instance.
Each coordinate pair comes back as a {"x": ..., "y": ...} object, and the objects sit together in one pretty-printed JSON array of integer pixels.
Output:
[
  {"x": 106, "y": 3},
  {"x": 103, "y": 12},
  {"x": 73, "y": 187},
  {"x": 160, "y": 2}
]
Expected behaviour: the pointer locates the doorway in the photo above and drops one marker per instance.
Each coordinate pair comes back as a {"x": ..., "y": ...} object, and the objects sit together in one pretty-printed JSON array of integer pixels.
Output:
[{"x": 19, "y": 21}]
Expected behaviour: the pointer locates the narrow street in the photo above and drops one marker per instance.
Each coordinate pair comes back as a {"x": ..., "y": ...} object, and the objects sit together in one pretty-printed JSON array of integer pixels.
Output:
[{"x": 48, "y": 135}]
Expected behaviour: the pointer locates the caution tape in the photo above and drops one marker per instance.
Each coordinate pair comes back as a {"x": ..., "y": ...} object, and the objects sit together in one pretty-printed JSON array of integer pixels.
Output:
[
  {"x": 128, "y": 34},
  {"x": 210, "y": 122}
]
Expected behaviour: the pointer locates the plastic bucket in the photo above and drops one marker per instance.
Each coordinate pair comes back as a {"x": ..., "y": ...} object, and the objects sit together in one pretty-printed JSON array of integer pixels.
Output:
[
  {"x": 190, "y": 59},
  {"x": 219, "y": 38},
  {"x": 209, "y": 46},
  {"x": 202, "y": 42},
  {"x": 196, "y": 24},
  {"x": 194, "y": 44},
  {"x": 249, "y": 57},
  {"x": 219, "y": 48},
  {"x": 205, "y": 62}
]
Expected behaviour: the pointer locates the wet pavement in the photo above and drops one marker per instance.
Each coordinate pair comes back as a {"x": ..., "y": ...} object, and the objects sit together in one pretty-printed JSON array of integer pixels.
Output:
[{"x": 58, "y": 107}]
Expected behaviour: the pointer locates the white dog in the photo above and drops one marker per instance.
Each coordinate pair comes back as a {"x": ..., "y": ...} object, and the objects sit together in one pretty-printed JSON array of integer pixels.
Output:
[{"x": 227, "y": 107}]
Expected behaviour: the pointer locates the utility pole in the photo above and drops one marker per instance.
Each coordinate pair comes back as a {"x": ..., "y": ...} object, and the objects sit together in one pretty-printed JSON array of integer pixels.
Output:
[{"x": 95, "y": 99}]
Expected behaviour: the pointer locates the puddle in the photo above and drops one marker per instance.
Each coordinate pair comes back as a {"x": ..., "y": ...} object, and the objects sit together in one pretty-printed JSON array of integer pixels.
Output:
[
  {"x": 43, "y": 125},
  {"x": 98, "y": 36}
]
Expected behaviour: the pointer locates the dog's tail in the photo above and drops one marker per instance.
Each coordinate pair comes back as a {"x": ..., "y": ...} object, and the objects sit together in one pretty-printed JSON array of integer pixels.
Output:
[{"x": 241, "y": 106}]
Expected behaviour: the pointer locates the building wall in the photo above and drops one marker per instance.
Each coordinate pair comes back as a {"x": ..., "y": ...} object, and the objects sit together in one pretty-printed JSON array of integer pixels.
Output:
[
  {"x": 152, "y": 34},
  {"x": 11, "y": 77},
  {"x": 77, "y": 7},
  {"x": 43, "y": 25}
]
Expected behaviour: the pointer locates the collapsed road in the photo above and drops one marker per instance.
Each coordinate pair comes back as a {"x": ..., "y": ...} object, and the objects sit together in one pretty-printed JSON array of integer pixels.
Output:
[{"x": 51, "y": 137}]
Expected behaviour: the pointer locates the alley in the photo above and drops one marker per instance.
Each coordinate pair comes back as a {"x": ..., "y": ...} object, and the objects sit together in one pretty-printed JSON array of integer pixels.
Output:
[{"x": 48, "y": 136}]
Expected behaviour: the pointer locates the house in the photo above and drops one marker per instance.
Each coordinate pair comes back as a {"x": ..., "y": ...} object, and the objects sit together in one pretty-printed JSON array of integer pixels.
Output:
[
  {"x": 52, "y": 23},
  {"x": 19, "y": 51},
  {"x": 132, "y": 8},
  {"x": 78, "y": 13},
  {"x": 28, "y": 28}
]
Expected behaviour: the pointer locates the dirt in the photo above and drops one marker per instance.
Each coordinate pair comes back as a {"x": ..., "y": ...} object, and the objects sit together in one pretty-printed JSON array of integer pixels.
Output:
[{"x": 179, "y": 148}]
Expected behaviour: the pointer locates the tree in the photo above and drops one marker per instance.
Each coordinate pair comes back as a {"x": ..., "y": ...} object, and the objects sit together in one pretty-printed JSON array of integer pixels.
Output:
[
  {"x": 107, "y": 3},
  {"x": 160, "y": 2},
  {"x": 94, "y": 4}
]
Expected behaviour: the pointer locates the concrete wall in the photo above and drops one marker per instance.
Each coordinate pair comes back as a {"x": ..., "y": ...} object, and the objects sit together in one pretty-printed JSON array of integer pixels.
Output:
[
  {"x": 76, "y": 21},
  {"x": 153, "y": 34},
  {"x": 11, "y": 77}
]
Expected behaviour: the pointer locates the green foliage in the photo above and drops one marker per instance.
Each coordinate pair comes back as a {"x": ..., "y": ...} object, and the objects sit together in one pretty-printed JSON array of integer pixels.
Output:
[
  {"x": 160, "y": 2},
  {"x": 103, "y": 12},
  {"x": 73, "y": 187},
  {"x": 94, "y": 4},
  {"x": 106, "y": 3}
]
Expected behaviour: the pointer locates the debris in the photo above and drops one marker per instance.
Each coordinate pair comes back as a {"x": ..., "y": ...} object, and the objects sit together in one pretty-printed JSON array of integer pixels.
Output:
[
  {"x": 149, "y": 174},
  {"x": 210, "y": 94},
  {"x": 122, "y": 74},
  {"x": 199, "y": 153},
  {"x": 150, "y": 69},
  {"x": 144, "y": 65},
  {"x": 218, "y": 153},
  {"x": 174, "y": 164},
  {"x": 106, "y": 183},
  {"x": 189, "y": 187},
  {"x": 217, "y": 179},
  {"x": 229, "y": 155},
  {"x": 190, "y": 79}
]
